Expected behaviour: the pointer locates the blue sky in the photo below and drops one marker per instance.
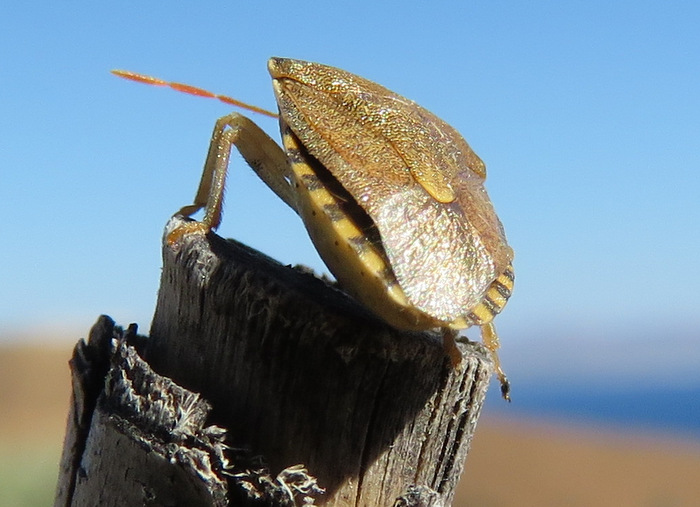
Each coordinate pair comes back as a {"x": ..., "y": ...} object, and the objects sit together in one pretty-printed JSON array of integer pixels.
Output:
[{"x": 587, "y": 115}]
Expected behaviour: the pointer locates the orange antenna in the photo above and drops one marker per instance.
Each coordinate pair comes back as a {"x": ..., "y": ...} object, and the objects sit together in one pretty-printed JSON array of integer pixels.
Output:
[{"x": 192, "y": 90}]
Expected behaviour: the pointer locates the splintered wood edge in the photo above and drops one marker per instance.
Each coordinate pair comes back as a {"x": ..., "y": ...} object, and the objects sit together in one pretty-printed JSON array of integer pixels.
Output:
[
  {"x": 205, "y": 273},
  {"x": 134, "y": 436},
  {"x": 204, "y": 256},
  {"x": 88, "y": 365}
]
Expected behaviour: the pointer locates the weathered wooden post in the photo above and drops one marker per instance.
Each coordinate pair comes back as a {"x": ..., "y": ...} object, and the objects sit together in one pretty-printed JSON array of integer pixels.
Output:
[{"x": 302, "y": 396}]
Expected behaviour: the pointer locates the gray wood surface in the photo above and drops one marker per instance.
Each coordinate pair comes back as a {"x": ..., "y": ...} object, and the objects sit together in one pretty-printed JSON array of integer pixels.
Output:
[{"x": 312, "y": 391}]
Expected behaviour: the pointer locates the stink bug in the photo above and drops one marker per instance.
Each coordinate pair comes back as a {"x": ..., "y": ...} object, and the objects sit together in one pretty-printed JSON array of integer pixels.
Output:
[{"x": 393, "y": 198}]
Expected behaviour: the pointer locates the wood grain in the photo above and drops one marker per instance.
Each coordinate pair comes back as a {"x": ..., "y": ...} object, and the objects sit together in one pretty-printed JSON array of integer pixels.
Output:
[{"x": 309, "y": 386}]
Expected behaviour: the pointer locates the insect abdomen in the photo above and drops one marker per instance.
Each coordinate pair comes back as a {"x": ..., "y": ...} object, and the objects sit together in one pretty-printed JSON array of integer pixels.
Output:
[
  {"x": 494, "y": 299},
  {"x": 350, "y": 245},
  {"x": 348, "y": 242}
]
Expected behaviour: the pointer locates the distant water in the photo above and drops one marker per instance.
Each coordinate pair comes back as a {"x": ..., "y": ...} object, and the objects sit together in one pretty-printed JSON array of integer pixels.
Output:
[{"x": 668, "y": 411}]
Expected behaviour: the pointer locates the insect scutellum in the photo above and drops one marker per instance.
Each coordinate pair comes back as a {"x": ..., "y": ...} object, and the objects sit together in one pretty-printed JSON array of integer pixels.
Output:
[{"x": 391, "y": 196}]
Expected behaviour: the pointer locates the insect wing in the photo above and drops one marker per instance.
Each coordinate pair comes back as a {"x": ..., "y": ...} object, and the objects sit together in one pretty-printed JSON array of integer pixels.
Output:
[
  {"x": 439, "y": 256},
  {"x": 413, "y": 174}
]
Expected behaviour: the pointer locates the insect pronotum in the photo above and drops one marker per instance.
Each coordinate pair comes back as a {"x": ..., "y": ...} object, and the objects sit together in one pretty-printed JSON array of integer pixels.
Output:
[{"x": 393, "y": 198}]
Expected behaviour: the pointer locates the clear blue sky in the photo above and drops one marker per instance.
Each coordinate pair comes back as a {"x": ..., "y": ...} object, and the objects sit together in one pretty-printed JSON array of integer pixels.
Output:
[{"x": 586, "y": 113}]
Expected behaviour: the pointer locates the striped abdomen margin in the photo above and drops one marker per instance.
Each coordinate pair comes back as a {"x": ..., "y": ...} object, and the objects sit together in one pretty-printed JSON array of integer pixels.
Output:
[{"x": 355, "y": 230}]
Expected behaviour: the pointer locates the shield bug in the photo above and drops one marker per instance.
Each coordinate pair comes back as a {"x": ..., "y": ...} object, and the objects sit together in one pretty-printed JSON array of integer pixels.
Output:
[{"x": 392, "y": 197}]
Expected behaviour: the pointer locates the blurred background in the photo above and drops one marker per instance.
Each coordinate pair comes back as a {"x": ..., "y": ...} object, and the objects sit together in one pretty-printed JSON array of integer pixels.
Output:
[{"x": 587, "y": 115}]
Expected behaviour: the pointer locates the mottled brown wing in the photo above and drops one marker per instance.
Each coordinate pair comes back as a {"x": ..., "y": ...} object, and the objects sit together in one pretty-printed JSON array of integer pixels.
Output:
[
  {"x": 443, "y": 256},
  {"x": 413, "y": 174}
]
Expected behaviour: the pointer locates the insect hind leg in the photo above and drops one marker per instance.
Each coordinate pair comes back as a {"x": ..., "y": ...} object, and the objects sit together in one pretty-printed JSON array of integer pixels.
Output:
[
  {"x": 492, "y": 344},
  {"x": 261, "y": 153}
]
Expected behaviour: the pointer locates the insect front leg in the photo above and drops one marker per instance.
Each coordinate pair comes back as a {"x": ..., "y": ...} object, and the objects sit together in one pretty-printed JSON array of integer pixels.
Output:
[
  {"x": 261, "y": 153},
  {"x": 449, "y": 343}
]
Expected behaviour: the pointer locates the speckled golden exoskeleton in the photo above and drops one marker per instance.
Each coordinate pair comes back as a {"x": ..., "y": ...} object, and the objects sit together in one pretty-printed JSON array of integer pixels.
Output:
[{"x": 393, "y": 198}]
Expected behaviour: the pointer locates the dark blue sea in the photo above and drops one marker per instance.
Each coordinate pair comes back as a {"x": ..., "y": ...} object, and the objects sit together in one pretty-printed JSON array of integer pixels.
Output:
[{"x": 673, "y": 412}]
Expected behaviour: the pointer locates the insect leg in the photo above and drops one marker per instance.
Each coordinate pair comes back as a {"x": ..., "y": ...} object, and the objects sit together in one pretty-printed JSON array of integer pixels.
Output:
[
  {"x": 260, "y": 152},
  {"x": 492, "y": 343},
  {"x": 450, "y": 345}
]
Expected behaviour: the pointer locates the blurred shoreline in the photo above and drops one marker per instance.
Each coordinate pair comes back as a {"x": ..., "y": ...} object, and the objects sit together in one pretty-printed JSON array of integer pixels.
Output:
[{"x": 517, "y": 458}]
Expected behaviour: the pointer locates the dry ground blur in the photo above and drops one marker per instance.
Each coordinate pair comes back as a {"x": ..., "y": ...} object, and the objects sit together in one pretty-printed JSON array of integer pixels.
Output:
[
  {"x": 524, "y": 464},
  {"x": 34, "y": 394}
]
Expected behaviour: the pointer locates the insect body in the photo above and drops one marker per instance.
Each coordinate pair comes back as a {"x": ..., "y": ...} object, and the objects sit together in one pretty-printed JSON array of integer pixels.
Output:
[{"x": 392, "y": 197}]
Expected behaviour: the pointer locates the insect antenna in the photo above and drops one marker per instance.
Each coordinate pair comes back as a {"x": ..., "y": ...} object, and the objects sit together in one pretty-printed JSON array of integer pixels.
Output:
[{"x": 192, "y": 90}]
